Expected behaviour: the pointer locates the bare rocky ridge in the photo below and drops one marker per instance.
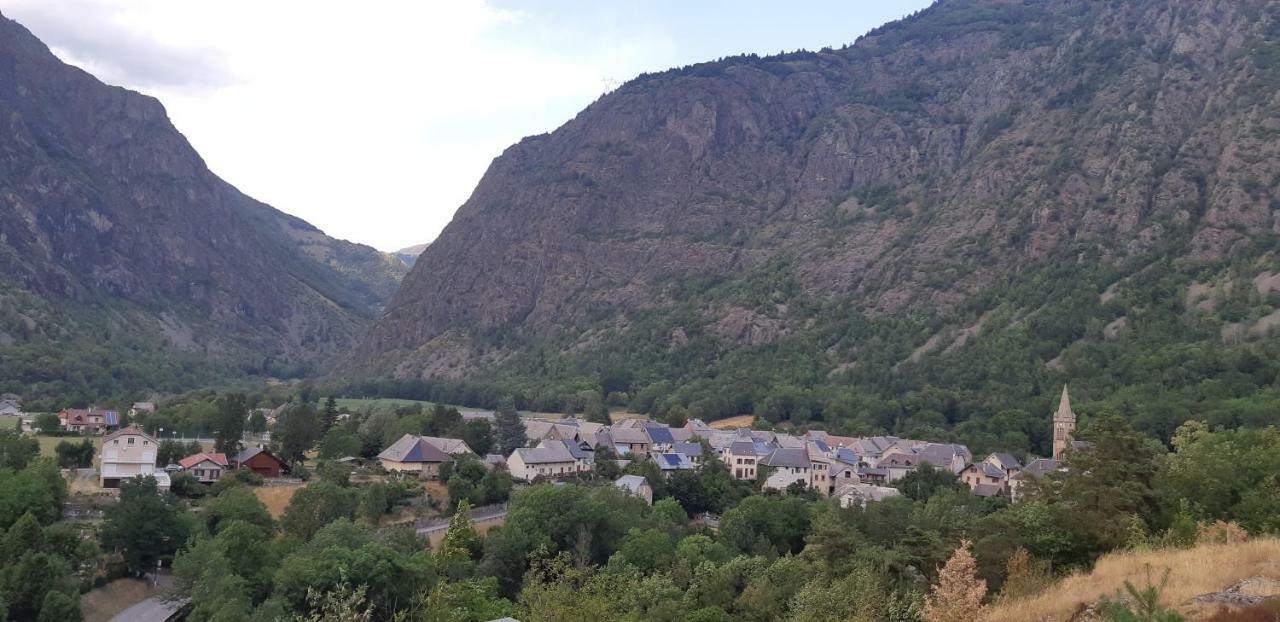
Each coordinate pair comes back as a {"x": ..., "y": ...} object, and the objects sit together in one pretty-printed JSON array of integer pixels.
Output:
[
  {"x": 906, "y": 173},
  {"x": 107, "y": 212}
]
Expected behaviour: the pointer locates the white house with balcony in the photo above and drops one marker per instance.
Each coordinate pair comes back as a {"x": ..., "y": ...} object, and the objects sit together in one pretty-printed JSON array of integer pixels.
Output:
[{"x": 129, "y": 453}]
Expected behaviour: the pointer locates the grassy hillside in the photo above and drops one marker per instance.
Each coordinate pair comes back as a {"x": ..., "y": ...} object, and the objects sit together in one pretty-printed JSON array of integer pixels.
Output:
[{"x": 1200, "y": 570}]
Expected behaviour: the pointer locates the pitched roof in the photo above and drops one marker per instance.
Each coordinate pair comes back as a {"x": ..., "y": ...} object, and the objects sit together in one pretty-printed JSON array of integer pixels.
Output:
[
  {"x": 659, "y": 434},
  {"x": 846, "y": 455},
  {"x": 742, "y": 448},
  {"x": 449, "y": 445},
  {"x": 672, "y": 461},
  {"x": 788, "y": 441},
  {"x": 412, "y": 448},
  {"x": 987, "y": 469},
  {"x": 898, "y": 458},
  {"x": 1064, "y": 412},
  {"x": 1041, "y": 466},
  {"x": 629, "y": 434},
  {"x": 129, "y": 431},
  {"x": 631, "y": 483},
  {"x": 868, "y": 492},
  {"x": 787, "y": 457},
  {"x": 251, "y": 452},
  {"x": 1005, "y": 460},
  {"x": 988, "y": 490},
  {"x": 194, "y": 459},
  {"x": 547, "y": 452},
  {"x": 688, "y": 448},
  {"x": 942, "y": 455}
]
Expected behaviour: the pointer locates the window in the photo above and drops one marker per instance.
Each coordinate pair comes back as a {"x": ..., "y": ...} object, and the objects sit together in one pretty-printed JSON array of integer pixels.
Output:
[
  {"x": 130, "y": 440},
  {"x": 115, "y": 442}
]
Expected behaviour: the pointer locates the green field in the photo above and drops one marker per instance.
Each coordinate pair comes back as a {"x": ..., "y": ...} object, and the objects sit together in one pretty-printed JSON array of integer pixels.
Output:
[
  {"x": 10, "y": 423},
  {"x": 48, "y": 443},
  {"x": 377, "y": 404}
]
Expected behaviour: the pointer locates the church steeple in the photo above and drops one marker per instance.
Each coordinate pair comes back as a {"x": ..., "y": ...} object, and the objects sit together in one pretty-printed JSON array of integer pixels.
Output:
[{"x": 1064, "y": 425}]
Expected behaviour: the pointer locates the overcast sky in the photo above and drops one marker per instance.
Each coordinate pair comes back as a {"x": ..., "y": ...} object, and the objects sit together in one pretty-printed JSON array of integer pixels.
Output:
[{"x": 374, "y": 120}]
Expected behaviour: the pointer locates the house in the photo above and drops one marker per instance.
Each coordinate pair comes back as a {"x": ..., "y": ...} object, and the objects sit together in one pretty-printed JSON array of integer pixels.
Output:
[
  {"x": 549, "y": 459},
  {"x": 897, "y": 463},
  {"x": 983, "y": 474},
  {"x": 691, "y": 450},
  {"x": 10, "y": 409},
  {"x": 413, "y": 454},
  {"x": 660, "y": 437},
  {"x": 861, "y": 494},
  {"x": 88, "y": 421},
  {"x": 141, "y": 407},
  {"x": 636, "y": 485},
  {"x": 1005, "y": 462},
  {"x": 669, "y": 463},
  {"x": 789, "y": 464},
  {"x": 260, "y": 461},
  {"x": 632, "y": 440},
  {"x": 990, "y": 490},
  {"x": 741, "y": 459},
  {"x": 74, "y": 419},
  {"x": 126, "y": 454},
  {"x": 206, "y": 467},
  {"x": 451, "y": 446},
  {"x": 945, "y": 456}
]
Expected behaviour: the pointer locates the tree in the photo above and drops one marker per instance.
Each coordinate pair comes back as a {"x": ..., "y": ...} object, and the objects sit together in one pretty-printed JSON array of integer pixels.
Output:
[
  {"x": 39, "y": 489},
  {"x": 314, "y": 507},
  {"x": 677, "y": 416},
  {"x": 60, "y": 607},
  {"x": 330, "y": 415},
  {"x": 462, "y": 536},
  {"x": 236, "y": 504},
  {"x": 231, "y": 416},
  {"x": 479, "y": 436},
  {"x": 957, "y": 596},
  {"x": 75, "y": 455},
  {"x": 339, "y": 442},
  {"x": 144, "y": 526},
  {"x": 509, "y": 432},
  {"x": 926, "y": 480},
  {"x": 299, "y": 430},
  {"x": 48, "y": 422},
  {"x": 1107, "y": 484},
  {"x": 29, "y": 581},
  {"x": 445, "y": 421},
  {"x": 16, "y": 450}
]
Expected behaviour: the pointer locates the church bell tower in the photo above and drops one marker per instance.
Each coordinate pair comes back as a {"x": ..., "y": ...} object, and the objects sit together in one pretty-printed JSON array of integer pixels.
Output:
[{"x": 1064, "y": 426}]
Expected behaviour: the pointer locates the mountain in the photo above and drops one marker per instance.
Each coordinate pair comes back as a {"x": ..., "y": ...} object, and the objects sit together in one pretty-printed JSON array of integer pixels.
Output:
[
  {"x": 126, "y": 263},
  {"x": 985, "y": 199},
  {"x": 409, "y": 254}
]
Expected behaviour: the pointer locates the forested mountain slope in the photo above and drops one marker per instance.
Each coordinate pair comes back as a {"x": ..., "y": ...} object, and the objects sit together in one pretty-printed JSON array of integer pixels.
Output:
[
  {"x": 126, "y": 264},
  {"x": 968, "y": 207}
]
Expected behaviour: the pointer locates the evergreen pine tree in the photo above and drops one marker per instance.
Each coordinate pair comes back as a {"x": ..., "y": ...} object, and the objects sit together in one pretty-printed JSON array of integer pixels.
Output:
[{"x": 509, "y": 429}]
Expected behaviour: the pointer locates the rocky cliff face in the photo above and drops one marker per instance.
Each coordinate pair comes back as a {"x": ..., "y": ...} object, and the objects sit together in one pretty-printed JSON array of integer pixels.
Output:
[
  {"x": 110, "y": 221},
  {"x": 905, "y": 174}
]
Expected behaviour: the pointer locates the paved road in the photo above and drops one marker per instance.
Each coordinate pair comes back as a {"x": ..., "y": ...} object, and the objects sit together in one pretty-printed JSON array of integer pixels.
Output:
[
  {"x": 483, "y": 517},
  {"x": 150, "y": 610}
]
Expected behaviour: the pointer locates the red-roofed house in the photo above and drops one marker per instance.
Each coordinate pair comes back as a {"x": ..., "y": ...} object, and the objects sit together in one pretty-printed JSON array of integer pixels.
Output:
[
  {"x": 89, "y": 421},
  {"x": 207, "y": 468}
]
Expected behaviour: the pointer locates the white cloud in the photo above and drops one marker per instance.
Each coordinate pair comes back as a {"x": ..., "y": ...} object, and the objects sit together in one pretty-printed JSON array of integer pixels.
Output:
[{"x": 372, "y": 120}]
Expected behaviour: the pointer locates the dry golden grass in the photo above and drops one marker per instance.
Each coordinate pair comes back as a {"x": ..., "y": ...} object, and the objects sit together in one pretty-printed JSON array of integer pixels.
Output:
[
  {"x": 1192, "y": 572},
  {"x": 733, "y": 423},
  {"x": 276, "y": 498},
  {"x": 105, "y": 602},
  {"x": 622, "y": 415}
]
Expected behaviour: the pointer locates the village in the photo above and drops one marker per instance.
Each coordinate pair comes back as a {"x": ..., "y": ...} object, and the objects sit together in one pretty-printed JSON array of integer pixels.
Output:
[{"x": 852, "y": 470}]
